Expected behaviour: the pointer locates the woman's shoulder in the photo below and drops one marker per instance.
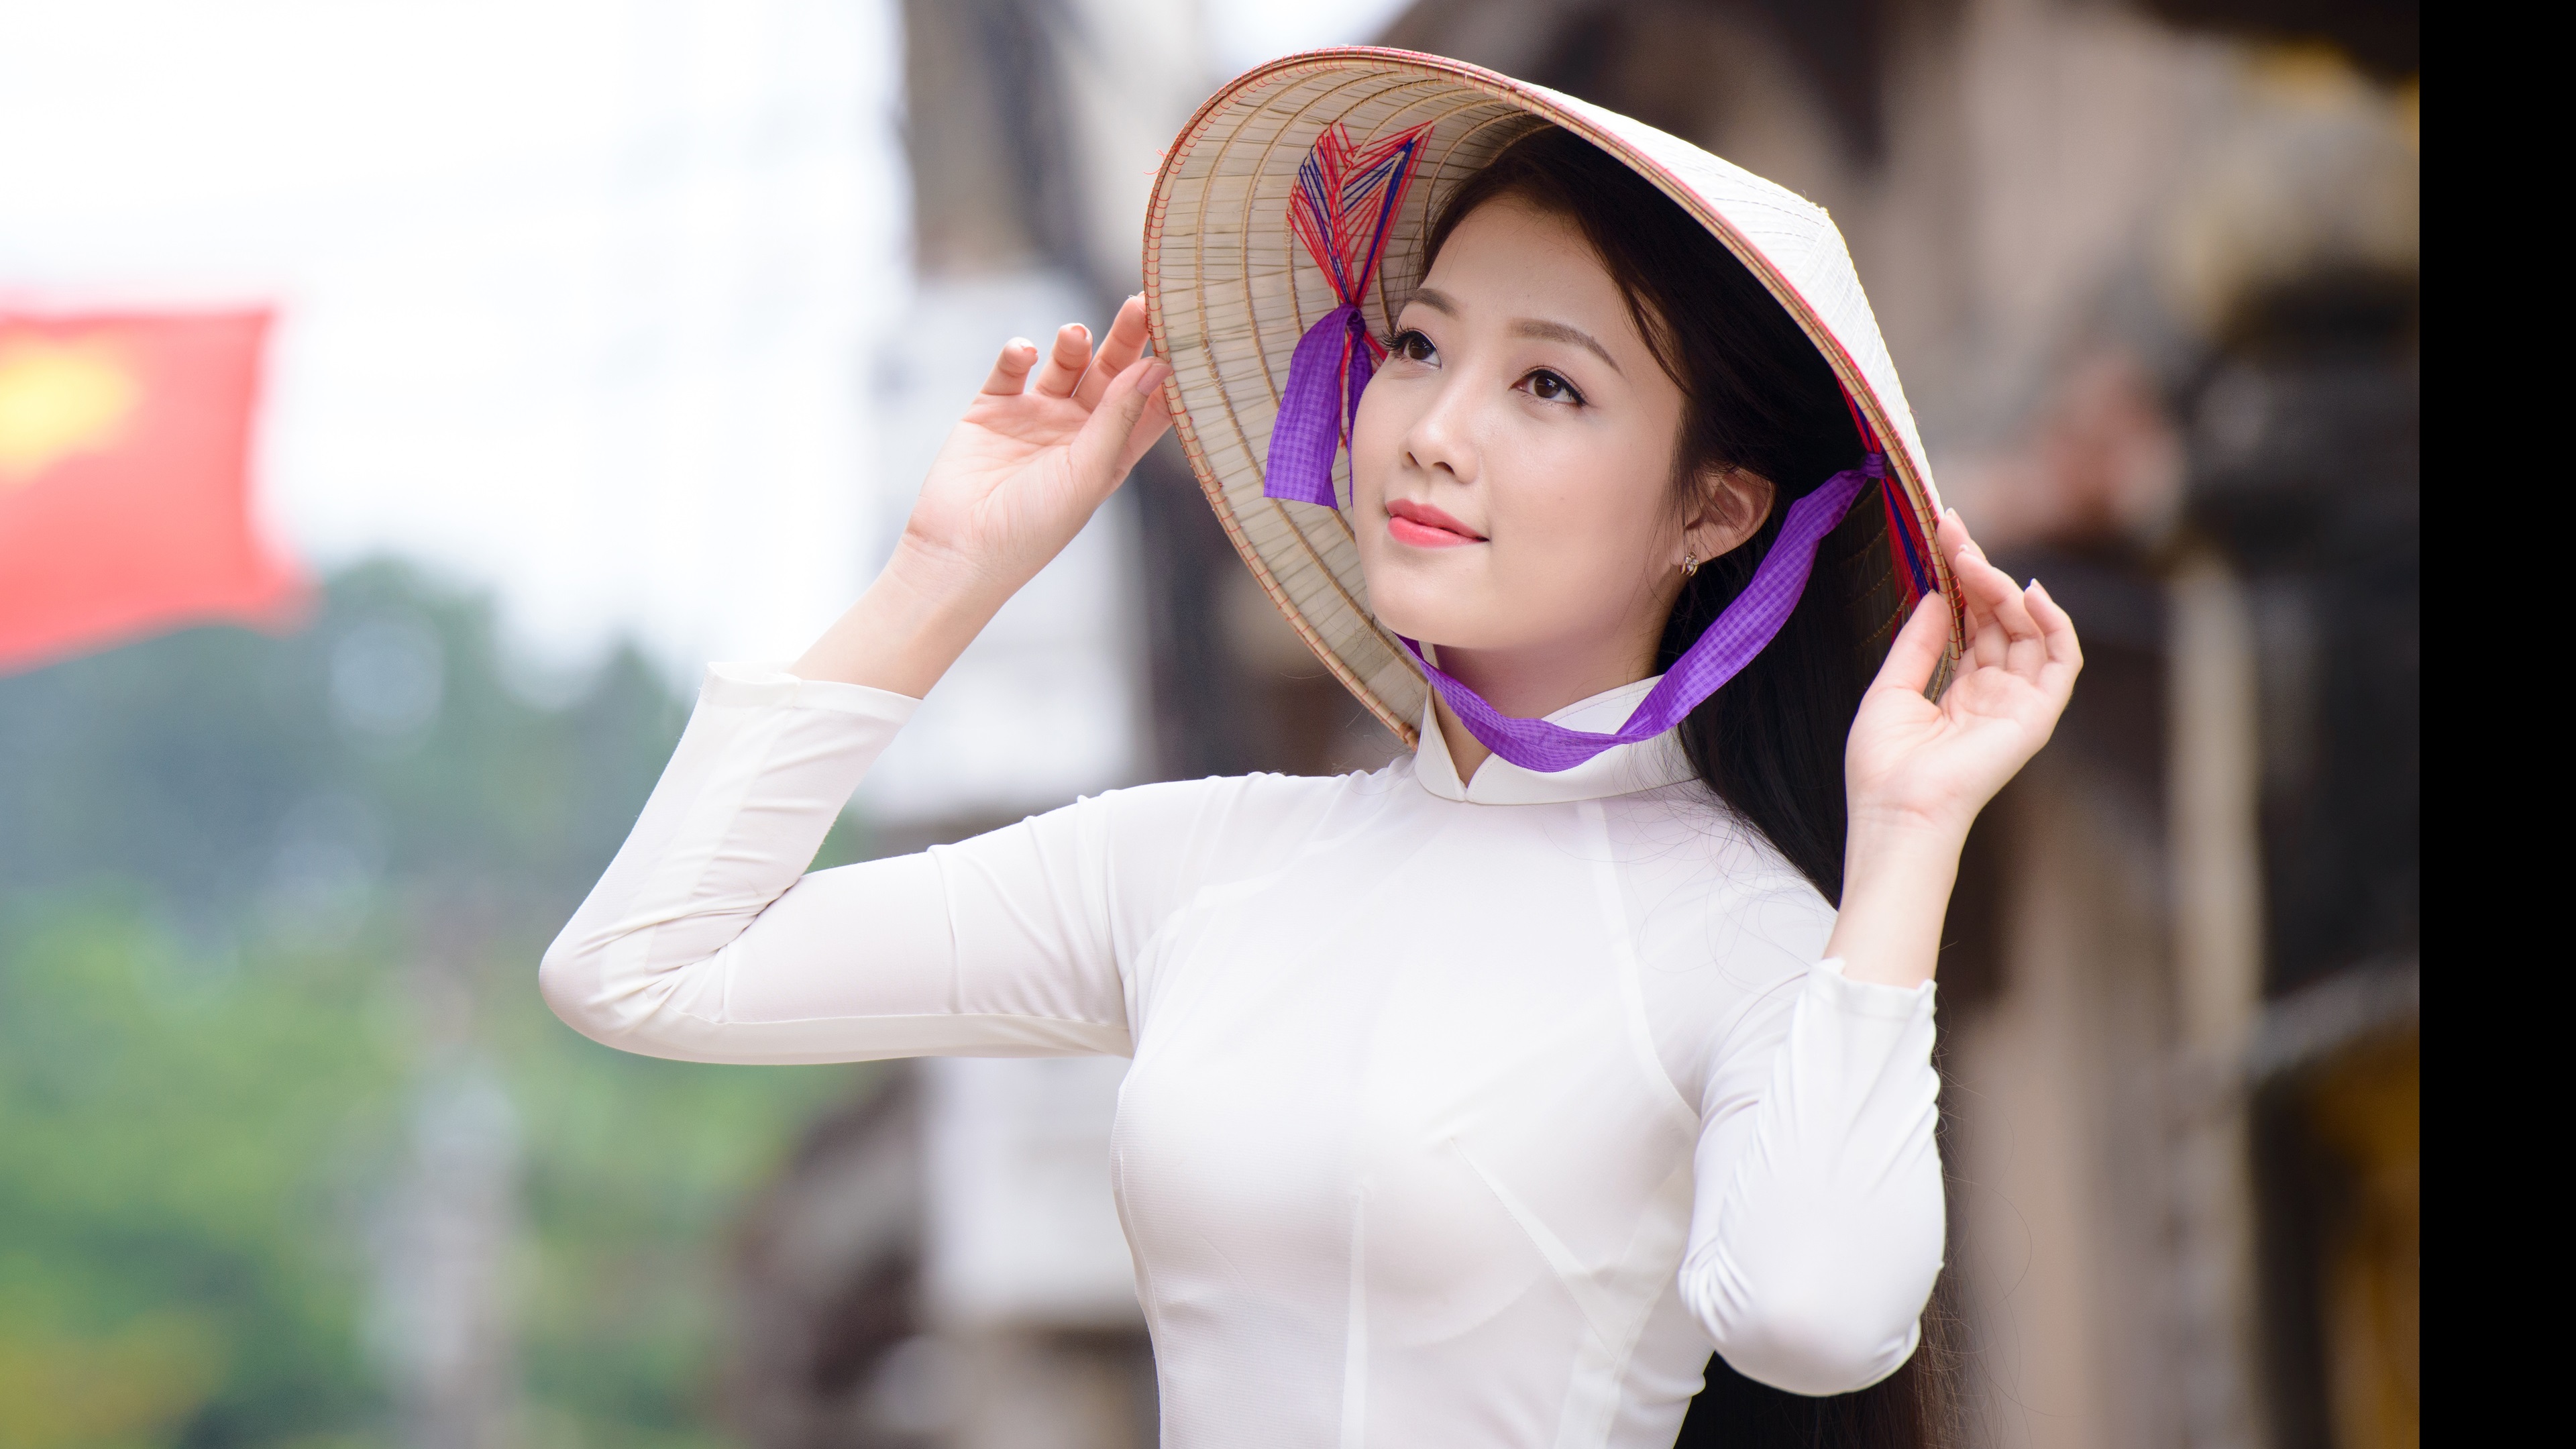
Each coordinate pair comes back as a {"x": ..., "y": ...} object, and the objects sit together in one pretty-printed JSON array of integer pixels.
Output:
[
  {"x": 1260, "y": 790},
  {"x": 1714, "y": 906},
  {"x": 1231, "y": 816},
  {"x": 1686, "y": 827}
]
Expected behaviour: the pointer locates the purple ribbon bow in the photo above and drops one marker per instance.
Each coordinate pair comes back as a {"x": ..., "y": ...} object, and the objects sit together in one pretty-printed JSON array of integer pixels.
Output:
[{"x": 1311, "y": 419}]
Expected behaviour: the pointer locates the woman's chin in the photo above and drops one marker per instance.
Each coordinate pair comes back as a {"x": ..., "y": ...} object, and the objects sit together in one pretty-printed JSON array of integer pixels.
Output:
[
  {"x": 1434, "y": 627},
  {"x": 1446, "y": 594},
  {"x": 1412, "y": 607}
]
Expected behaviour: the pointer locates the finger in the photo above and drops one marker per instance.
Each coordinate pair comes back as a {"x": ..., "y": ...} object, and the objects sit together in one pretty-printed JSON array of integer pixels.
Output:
[
  {"x": 1062, "y": 371},
  {"x": 2025, "y": 649},
  {"x": 1950, "y": 535},
  {"x": 1011, "y": 369},
  {"x": 1986, "y": 642},
  {"x": 2057, "y": 628},
  {"x": 1153, "y": 423},
  {"x": 2012, "y": 636},
  {"x": 1099, "y": 451},
  {"x": 2005, "y": 635},
  {"x": 1124, "y": 344},
  {"x": 1915, "y": 656}
]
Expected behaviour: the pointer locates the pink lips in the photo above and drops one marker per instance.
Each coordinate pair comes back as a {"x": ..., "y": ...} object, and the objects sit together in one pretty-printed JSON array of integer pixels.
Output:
[{"x": 1424, "y": 526}]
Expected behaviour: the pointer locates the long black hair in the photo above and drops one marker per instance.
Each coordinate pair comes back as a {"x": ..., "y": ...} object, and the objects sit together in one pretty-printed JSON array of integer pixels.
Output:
[{"x": 1759, "y": 397}]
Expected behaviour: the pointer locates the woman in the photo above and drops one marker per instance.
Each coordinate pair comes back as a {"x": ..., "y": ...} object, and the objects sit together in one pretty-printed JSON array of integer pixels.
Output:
[{"x": 1476, "y": 1099}]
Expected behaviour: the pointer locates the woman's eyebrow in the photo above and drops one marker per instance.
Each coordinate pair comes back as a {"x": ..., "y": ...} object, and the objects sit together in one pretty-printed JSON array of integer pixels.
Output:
[
  {"x": 1572, "y": 336},
  {"x": 1441, "y": 302}
]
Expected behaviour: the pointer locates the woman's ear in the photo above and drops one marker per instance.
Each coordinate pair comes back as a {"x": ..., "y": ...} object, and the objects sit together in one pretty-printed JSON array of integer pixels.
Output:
[{"x": 1733, "y": 504}]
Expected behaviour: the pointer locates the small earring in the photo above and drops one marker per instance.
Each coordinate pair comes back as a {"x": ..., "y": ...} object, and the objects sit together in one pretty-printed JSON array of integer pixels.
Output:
[{"x": 1690, "y": 564}]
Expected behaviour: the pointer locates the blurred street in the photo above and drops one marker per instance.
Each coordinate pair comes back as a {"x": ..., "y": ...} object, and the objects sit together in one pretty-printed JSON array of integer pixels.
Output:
[{"x": 475, "y": 373}]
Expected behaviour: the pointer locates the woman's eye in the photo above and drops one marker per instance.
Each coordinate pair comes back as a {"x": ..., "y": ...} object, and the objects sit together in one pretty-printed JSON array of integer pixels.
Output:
[
  {"x": 1412, "y": 346},
  {"x": 1548, "y": 387}
]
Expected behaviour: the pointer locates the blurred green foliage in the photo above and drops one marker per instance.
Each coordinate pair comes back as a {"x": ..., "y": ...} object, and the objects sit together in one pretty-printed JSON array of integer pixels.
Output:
[{"x": 256, "y": 893}]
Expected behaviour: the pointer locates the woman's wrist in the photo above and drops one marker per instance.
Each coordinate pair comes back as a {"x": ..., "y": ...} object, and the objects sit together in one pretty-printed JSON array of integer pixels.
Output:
[
  {"x": 1897, "y": 878},
  {"x": 906, "y": 630},
  {"x": 950, "y": 578}
]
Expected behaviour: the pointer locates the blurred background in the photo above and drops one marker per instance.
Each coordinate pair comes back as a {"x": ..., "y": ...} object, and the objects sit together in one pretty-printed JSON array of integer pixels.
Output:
[{"x": 399, "y": 402}]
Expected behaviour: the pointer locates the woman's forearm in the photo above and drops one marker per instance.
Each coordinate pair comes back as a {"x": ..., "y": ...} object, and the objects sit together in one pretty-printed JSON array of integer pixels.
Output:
[
  {"x": 1896, "y": 890},
  {"x": 905, "y": 631}
]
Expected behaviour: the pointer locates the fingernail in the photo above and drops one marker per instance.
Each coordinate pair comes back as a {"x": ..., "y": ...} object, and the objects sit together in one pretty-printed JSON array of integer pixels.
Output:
[{"x": 1152, "y": 377}]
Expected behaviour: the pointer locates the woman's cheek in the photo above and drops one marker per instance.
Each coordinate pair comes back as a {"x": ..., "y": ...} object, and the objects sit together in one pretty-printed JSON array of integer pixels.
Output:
[
  {"x": 1376, "y": 435},
  {"x": 1571, "y": 523},
  {"x": 1374, "y": 429}
]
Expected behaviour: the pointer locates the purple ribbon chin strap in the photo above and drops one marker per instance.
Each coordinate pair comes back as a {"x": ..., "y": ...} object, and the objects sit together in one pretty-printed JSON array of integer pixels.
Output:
[{"x": 1720, "y": 652}]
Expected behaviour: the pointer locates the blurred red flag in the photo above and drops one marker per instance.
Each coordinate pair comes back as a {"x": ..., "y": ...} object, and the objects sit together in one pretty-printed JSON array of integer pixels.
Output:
[{"x": 125, "y": 481}]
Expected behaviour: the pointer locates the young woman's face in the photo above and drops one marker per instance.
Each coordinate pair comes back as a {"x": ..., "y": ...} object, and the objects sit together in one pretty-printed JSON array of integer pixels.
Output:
[{"x": 1512, "y": 460}]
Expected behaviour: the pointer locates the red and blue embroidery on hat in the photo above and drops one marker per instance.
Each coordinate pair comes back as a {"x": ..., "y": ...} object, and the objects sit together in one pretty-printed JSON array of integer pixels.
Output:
[
  {"x": 1911, "y": 551},
  {"x": 1344, "y": 209}
]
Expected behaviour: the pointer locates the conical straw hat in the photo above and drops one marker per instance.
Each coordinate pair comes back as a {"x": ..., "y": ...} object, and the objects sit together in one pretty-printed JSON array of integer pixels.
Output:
[{"x": 1229, "y": 292}]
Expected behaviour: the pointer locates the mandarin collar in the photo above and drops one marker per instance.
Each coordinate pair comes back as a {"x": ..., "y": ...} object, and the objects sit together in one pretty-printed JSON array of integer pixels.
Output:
[{"x": 1618, "y": 770}]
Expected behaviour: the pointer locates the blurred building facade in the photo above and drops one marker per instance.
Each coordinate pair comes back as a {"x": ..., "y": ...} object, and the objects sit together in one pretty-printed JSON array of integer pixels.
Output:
[{"x": 2152, "y": 272}]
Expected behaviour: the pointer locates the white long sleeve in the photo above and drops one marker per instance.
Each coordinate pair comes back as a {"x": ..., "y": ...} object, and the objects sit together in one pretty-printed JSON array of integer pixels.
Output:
[
  {"x": 1456, "y": 1113},
  {"x": 1819, "y": 1226}
]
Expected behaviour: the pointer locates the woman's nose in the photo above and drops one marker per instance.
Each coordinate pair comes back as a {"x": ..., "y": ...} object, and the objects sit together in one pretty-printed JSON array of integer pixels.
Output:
[{"x": 1440, "y": 438}]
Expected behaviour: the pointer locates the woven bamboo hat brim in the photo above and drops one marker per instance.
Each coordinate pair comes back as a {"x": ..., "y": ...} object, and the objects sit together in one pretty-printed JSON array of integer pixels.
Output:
[{"x": 1229, "y": 293}]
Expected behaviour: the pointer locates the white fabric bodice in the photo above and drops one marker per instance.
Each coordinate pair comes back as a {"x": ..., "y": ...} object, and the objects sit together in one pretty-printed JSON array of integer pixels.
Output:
[{"x": 1459, "y": 1113}]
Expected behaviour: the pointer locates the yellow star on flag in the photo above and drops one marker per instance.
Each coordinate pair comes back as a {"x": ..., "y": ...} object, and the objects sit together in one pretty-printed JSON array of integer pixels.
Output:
[{"x": 57, "y": 399}]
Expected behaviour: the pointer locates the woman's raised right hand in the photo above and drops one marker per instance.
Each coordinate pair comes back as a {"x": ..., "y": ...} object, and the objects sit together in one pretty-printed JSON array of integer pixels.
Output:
[
  {"x": 1018, "y": 477},
  {"x": 1033, "y": 458}
]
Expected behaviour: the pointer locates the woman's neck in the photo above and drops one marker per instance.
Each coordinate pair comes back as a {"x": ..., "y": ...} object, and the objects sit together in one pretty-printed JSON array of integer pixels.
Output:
[{"x": 1530, "y": 683}]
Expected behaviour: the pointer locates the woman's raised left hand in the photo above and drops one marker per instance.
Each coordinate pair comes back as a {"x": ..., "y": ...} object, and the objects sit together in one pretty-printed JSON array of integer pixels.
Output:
[
  {"x": 1928, "y": 766},
  {"x": 1918, "y": 770}
]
